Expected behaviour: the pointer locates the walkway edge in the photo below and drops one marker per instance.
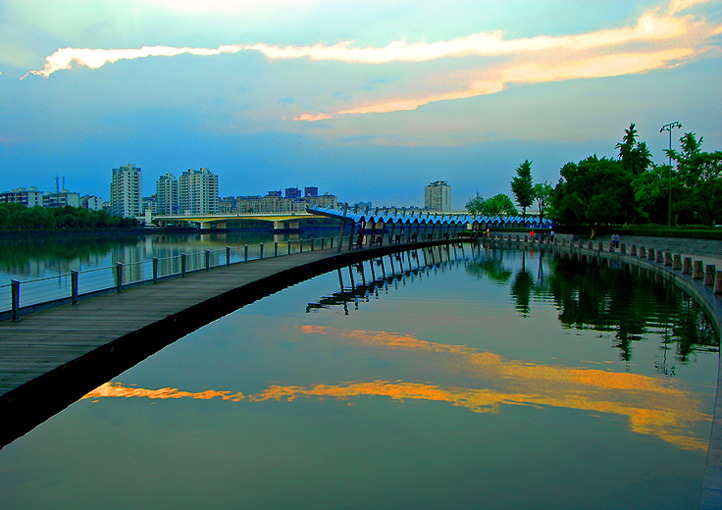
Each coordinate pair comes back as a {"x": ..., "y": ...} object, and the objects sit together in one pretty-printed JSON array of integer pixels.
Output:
[{"x": 32, "y": 403}]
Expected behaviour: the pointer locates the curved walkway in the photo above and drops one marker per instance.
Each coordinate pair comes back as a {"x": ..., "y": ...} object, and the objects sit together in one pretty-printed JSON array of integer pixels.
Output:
[{"x": 51, "y": 358}]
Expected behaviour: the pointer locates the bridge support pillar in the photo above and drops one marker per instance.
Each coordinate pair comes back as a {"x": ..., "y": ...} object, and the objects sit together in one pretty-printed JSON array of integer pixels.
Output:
[{"x": 285, "y": 225}]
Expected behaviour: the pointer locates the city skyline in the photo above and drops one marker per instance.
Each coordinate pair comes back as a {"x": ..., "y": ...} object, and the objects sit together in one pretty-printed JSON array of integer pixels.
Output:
[{"x": 372, "y": 105}]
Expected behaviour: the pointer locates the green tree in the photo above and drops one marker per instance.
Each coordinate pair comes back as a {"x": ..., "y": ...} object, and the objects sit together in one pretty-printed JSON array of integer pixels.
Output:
[
  {"x": 542, "y": 195},
  {"x": 523, "y": 187},
  {"x": 593, "y": 191},
  {"x": 652, "y": 190},
  {"x": 700, "y": 175},
  {"x": 635, "y": 156},
  {"x": 499, "y": 204}
]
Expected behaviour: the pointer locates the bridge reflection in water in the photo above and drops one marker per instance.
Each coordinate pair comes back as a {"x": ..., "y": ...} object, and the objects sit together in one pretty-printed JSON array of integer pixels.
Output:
[{"x": 409, "y": 264}]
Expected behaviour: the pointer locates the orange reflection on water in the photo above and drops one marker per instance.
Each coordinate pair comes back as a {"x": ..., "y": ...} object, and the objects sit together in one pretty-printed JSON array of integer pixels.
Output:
[
  {"x": 652, "y": 405},
  {"x": 110, "y": 389}
]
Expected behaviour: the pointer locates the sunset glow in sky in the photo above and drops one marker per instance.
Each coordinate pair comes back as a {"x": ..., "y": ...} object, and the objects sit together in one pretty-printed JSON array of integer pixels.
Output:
[{"x": 368, "y": 100}]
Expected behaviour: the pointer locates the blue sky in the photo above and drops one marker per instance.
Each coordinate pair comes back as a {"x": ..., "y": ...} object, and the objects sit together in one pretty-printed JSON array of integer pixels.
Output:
[{"x": 368, "y": 100}]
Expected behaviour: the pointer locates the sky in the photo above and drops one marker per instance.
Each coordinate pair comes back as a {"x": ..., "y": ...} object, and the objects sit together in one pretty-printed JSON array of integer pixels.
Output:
[{"x": 368, "y": 100}]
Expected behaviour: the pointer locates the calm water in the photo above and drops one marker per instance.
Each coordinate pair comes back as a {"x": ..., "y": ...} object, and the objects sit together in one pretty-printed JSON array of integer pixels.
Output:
[
  {"x": 446, "y": 379},
  {"x": 43, "y": 265}
]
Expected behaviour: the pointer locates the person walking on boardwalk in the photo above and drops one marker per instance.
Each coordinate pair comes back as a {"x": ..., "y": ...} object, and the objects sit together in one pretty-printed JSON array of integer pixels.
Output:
[{"x": 359, "y": 234}]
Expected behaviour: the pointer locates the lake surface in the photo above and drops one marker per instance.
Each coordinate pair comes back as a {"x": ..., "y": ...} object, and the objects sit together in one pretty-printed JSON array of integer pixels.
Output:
[
  {"x": 439, "y": 379},
  {"x": 43, "y": 264}
]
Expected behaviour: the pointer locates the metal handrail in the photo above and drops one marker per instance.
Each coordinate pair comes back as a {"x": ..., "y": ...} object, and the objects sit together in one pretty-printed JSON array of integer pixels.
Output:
[{"x": 14, "y": 303}]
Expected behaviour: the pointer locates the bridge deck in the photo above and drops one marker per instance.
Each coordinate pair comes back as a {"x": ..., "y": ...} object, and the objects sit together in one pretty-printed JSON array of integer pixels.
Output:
[{"x": 54, "y": 337}]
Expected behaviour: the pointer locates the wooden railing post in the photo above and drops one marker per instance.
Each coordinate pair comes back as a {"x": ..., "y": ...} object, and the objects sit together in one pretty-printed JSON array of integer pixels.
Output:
[
  {"x": 15, "y": 290},
  {"x": 74, "y": 286},
  {"x": 155, "y": 270},
  {"x": 119, "y": 276}
]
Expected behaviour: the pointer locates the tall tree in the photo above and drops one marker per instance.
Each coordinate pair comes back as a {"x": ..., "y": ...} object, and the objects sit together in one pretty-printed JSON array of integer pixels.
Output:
[
  {"x": 700, "y": 174},
  {"x": 542, "y": 194},
  {"x": 523, "y": 187},
  {"x": 635, "y": 156}
]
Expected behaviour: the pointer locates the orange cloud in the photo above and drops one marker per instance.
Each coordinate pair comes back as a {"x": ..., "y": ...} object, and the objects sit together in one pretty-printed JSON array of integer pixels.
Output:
[{"x": 308, "y": 117}]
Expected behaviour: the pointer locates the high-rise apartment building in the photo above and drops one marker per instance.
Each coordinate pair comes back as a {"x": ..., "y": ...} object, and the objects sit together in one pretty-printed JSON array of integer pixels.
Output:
[
  {"x": 166, "y": 190},
  {"x": 437, "y": 196},
  {"x": 198, "y": 192},
  {"x": 125, "y": 192}
]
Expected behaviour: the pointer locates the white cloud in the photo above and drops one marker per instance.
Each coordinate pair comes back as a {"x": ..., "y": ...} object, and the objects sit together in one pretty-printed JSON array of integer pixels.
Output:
[
  {"x": 655, "y": 41},
  {"x": 95, "y": 58}
]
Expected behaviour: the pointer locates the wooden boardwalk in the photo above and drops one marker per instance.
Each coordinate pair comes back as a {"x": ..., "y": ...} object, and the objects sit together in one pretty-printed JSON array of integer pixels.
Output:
[{"x": 51, "y": 358}]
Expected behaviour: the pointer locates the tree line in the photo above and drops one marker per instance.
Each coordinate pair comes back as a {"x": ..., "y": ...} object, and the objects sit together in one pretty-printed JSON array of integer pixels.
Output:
[
  {"x": 628, "y": 189},
  {"x": 18, "y": 216}
]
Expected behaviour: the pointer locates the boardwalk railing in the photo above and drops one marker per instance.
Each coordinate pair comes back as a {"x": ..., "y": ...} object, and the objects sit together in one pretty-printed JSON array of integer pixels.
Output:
[
  {"x": 21, "y": 297},
  {"x": 674, "y": 263}
]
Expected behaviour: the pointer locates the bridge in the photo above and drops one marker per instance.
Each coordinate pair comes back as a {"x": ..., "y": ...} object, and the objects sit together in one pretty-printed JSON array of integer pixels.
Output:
[
  {"x": 378, "y": 216},
  {"x": 206, "y": 221}
]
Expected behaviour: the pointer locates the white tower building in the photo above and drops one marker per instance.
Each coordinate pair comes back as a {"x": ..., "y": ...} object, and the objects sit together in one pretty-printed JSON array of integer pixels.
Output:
[
  {"x": 166, "y": 190},
  {"x": 198, "y": 192},
  {"x": 437, "y": 196},
  {"x": 125, "y": 192}
]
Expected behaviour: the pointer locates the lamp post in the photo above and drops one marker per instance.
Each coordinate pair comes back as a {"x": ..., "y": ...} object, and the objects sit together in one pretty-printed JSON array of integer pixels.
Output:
[{"x": 669, "y": 127}]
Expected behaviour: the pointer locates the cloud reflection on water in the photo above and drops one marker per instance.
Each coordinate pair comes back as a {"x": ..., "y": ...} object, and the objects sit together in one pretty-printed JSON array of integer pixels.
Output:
[{"x": 653, "y": 405}]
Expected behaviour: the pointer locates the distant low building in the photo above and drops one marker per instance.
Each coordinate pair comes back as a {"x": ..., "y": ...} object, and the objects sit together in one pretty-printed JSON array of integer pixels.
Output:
[
  {"x": 91, "y": 202},
  {"x": 150, "y": 204},
  {"x": 326, "y": 200},
  {"x": 248, "y": 204},
  {"x": 293, "y": 193},
  {"x": 29, "y": 198},
  {"x": 227, "y": 205},
  {"x": 55, "y": 199}
]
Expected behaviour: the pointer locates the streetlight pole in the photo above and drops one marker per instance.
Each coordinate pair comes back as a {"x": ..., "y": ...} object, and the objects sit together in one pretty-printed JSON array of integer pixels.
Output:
[{"x": 669, "y": 127}]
